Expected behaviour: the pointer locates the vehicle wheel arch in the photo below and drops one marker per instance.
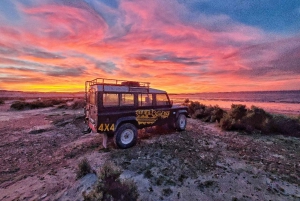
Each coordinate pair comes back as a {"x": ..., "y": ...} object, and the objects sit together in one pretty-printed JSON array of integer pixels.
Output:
[
  {"x": 181, "y": 112},
  {"x": 124, "y": 120}
]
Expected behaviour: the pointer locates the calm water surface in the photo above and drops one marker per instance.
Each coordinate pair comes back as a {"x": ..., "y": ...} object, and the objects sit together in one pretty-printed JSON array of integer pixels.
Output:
[{"x": 285, "y": 102}]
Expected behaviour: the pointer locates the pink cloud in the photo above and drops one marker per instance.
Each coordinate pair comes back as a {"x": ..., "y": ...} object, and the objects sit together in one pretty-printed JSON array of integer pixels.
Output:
[{"x": 151, "y": 43}]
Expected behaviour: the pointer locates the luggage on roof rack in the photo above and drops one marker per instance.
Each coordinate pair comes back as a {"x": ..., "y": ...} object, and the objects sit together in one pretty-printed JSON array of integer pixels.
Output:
[{"x": 131, "y": 83}]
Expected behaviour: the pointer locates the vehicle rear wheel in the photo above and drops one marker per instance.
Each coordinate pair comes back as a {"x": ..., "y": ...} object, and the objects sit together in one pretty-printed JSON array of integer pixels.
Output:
[
  {"x": 181, "y": 122},
  {"x": 126, "y": 136}
]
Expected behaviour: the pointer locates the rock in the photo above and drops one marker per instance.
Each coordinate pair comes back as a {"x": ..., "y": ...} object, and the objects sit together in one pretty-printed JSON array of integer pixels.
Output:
[
  {"x": 40, "y": 129},
  {"x": 81, "y": 185},
  {"x": 43, "y": 196}
]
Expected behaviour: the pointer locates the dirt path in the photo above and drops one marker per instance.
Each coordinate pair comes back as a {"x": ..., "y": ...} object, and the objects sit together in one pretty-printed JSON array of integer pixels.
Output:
[{"x": 40, "y": 150}]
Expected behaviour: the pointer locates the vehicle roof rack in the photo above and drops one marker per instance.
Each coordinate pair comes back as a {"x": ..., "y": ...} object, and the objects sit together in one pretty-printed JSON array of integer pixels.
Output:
[{"x": 114, "y": 82}]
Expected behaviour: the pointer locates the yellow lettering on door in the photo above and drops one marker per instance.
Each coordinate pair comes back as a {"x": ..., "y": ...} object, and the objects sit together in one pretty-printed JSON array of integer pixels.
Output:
[
  {"x": 112, "y": 127},
  {"x": 100, "y": 127},
  {"x": 106, "y": 127}
]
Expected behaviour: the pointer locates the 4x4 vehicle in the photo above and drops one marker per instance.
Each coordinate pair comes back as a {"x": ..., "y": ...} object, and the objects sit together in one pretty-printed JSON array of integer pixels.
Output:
[{"x": 120, "y": 107}]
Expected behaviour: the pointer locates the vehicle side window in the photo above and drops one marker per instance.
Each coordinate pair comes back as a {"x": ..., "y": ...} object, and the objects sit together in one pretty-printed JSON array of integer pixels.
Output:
[
  {"x": 162, "y": 99},
  {"x": 145, "y": 100},
  {"x": 110, "y": 99},
  {"x": 92, "y": 97},
  {"x": 127, "y": 100}
]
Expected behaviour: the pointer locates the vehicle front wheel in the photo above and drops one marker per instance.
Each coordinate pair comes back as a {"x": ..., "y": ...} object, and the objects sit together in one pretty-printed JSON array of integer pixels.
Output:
[
  {"x": 181, "y": 122},
  {"x": 126, "y": 136}
]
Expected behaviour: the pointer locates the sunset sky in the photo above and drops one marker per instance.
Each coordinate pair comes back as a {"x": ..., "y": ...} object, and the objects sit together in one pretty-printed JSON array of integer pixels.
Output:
[{"x": 177, "y": 45}]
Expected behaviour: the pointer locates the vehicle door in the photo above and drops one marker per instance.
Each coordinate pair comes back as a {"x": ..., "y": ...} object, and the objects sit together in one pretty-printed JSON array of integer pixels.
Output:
[
  {"x": 91, "y": 111},
  {"x": 163, "y": 109}
]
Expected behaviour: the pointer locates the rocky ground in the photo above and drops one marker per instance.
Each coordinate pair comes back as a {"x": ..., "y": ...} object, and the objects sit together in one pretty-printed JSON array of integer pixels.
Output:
[{"x": 40, "y": 151}]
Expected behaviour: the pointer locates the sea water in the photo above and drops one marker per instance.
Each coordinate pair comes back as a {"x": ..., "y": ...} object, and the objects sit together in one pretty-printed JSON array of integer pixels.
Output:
[{"x": 283, "y": 102}]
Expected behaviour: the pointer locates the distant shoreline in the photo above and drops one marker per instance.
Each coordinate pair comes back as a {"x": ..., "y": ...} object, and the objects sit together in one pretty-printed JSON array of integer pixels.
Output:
[
  {"x": 227, "y": 92},
  {"x": 21, "y": 94}
]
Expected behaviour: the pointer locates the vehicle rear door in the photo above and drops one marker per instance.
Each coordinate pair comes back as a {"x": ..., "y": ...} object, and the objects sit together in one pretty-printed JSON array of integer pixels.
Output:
[{"x": 92, "y": 109}]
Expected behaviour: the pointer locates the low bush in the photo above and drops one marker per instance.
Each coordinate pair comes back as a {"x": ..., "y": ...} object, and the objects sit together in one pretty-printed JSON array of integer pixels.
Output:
[
  {"x": 84, "y": 168},
  {"x": 2, "y": 101},
  {"x": 226, "y": 122},
  {"x": 237, "y": 111},
  {"x": 206, "y": 113},
  {"x": 241, "y": 118},
  {"x": 217, "y": 114},
  {"x": 21, "y": 105},
  {"x": 110, "y": 187},
  {"x": 249, "y": 120},
  {"x": 193, "y": 107},
  {"x": 55, "y": 101},
  {"x": 257, "y": 119},
  {"x": 18, "y": 105},
  {"x": 285, "y": 125},
  {"x": 78, "y": 104}
]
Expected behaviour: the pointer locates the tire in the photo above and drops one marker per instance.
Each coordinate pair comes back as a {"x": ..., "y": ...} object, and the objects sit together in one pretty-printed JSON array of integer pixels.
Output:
[
  {"x": 126, "y": 136},
  {"x": 181, "y": 122}
]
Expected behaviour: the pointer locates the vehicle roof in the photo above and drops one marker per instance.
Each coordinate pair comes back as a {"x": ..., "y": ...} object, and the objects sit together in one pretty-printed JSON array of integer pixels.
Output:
[
  {"x": 126, "y": 89},
  {"x": 113, "y": 85}
]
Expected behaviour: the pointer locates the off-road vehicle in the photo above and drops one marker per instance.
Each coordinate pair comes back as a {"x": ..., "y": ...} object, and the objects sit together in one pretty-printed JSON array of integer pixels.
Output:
[{"x": 119, "y": 107}]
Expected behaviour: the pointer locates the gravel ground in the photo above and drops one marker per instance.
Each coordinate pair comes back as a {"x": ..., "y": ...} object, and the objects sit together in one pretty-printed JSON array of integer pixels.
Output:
[{"x": 40, "y": 151}]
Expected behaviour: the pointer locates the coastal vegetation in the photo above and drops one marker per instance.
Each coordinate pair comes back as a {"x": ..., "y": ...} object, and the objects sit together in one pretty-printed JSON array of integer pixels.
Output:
[
  {"x": 84, "y": 168},
  {"x": 250, "y": 120},
  {"x": 110, "y": 186},
  {"x": 206, "y": 113},
  {"x": 40, "y": 103}
]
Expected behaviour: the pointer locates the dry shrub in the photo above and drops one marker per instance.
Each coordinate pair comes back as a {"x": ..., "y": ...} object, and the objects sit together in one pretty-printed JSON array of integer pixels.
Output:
[
  {"x": 226, "y": 122},
  {"x": 240, "y": 118},
  {"x": 217, "y": 114},
  {"x": 285, "y": 125},
  {"x": 55, "y": 101},
  {"x": 193, "y": 107},
  {"x": 206, "y": 113},
  {"x": 84, "y": 168},
  {"x": 257, "y": 119},
  {"x": 110, "y": 187},
  {"x": 2, "y": 101},
  {"x": 21, "y": 105},
  {"x": 237, "y": 111},
  {"x": 253, "y": 119},
  {"x": 78, "y": 104},
  {"x": 233, "y": 120}
]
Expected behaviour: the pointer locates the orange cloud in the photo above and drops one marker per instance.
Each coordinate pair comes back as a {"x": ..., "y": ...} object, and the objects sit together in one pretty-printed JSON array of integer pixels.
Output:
[{"x": 65, "y": 44}]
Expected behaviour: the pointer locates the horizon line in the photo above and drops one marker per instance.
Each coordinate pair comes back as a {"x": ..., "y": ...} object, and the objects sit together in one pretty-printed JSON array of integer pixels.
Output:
[{"x": 166, "y": 91}]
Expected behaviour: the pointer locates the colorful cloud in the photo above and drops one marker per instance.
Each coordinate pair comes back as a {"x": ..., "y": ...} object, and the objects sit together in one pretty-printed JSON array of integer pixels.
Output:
[{"x": 179, "y": 46}]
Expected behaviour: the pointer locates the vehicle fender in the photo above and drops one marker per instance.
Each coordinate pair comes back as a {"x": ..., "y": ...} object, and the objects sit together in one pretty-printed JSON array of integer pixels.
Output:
[
  {"x": 124, "y": 119},
  {"x": 181, "y": 112}
]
